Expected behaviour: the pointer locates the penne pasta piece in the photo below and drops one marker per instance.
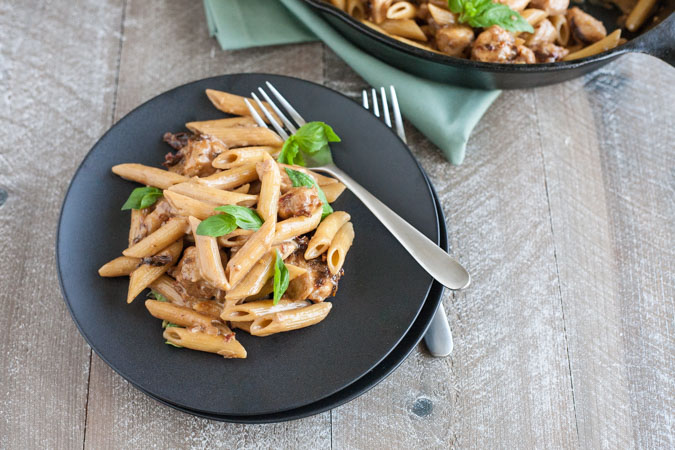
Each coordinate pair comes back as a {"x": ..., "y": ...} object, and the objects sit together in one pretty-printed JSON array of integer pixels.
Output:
[
  {"x": 290, "y": 320},
  {"x": 232, "y": 122},
  {"x": 239, "y": 156},
  {"x": 226, "y": 346},
  {"x": 339, "y": 247},
  {"x": 247, "y": 312},
  {"x": 212, "y": 195},
  {"x": 145, "y": 274},
  {"x": 333, "y": 191},
  {"x": 183, "y": 316},
  {"x": 562, "y": 28},
  {"x": 209, "y": 258},
  {"x": 188, "y": 206},
  {"x": 356, "y": 9},
  {"x": 234, "y": 104},
  {"x": 245, "y": 137},
  {"x": 246, "y": 326},
  {"x": 165, "y": 286},
  {"x": 286, "y": 184},
  {"x": 243, "y": 189},
  {"x": 235, "y": 239},
  {"x": 442, "y": 16},
  {"x": 119, "y": 267},
  {"x": 639, "y": 14},
  {"x": 161, "y": 211},
  {"x": 533, "y": 16},
  {"x": 232, "y": 178},
  {"x": 136, "y": 227},
  {"x": 255, "y": 247},
  {"x": 268, "y": 288},
  {"x": 150, "y": 176},
  {"x": 295, "y": 226},
  {"x": 209, "y": 308},
  {"x": 270, "y": 179},
  {"x": 608, "y": 43},
  {"x": 407, "y": 28},
  {"x": 324, "y": 234},
  {"x": 402, "y": 10},
  {"x": 168, "y": 233}
]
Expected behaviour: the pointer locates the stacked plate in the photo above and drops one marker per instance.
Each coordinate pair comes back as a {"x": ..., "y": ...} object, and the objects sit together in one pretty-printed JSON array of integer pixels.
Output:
[{"x": 383, "y": 307}]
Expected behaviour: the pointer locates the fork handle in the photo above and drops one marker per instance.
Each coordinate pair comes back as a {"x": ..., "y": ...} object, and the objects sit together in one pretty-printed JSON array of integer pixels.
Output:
[{"x": 443, "y": 267}]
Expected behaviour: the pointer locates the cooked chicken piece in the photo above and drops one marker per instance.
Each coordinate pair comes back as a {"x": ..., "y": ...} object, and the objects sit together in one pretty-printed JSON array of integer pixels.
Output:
[
  {"x": 552, "y": 7},
  {"x": 585, "y": 28},
  {"x": 189, "y": 278},
  {"x": 524, "y": 55},
  {"x": 544, "y": 32},
  {"x": 177, "y": 140},
  {"x": 298, "y": 201},
  {"x": 195, "y": 157},
  {"x": 549, "y": 52},
  {"x": 454, "y": 39},
  {"x": 161, "y": 213},
  {"x": 378, "y": 10},
  {"x": 516, "y": 5},
  {"x": 317, "y": 284},
  {"x": 494, "y": 45}
]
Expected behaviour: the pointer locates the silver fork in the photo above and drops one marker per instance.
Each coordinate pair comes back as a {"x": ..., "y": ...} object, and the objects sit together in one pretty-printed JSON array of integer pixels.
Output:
[
  {"x": 432, "y": 258},
  {"x": 439, "y": 336}
]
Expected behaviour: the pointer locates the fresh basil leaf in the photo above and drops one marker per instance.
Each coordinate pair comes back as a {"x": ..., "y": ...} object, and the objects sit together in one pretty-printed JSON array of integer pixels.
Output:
[
  {"x": 302, "y": 179},
  {"x": 246, "y": 218},
  {"x": 218, "y": 225},
  {"x": 485, "y": 13},
  {"x": 142, "y": 197},
  {"x": 157, "y": 296},
  {"x": 167, "y": 324},
  {"x": 281, "y": 278},
  {"x": 312, "y": 139}
]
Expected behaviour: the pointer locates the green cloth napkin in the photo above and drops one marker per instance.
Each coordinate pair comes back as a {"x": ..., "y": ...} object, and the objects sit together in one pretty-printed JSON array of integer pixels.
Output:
[{"x": 444, "y": 114}]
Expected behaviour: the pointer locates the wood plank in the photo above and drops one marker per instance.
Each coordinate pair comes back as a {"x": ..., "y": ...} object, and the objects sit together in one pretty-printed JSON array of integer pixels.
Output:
[
  {"x": 507, "y": 381},
  {"x": 119, "y": 416},
  {"x": 610, "y": 184},
  {"x": 57, "y": 73}
]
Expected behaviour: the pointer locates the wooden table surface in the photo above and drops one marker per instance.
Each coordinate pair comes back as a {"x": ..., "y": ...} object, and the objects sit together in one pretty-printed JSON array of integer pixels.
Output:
[{"x": 563, "y": 212}]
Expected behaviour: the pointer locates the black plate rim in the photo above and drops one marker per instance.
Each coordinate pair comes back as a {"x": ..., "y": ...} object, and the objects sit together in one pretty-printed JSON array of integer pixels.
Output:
[
  {"x": 80, "y": 167},
  {"x": 340, "y": 398},
  {"x": 447, "y": 60}
]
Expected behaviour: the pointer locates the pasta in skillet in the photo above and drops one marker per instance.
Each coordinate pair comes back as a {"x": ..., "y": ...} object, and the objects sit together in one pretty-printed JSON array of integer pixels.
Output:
[
  {"x": 227, "y": 237},
  {"x": 499, "y": 31}
]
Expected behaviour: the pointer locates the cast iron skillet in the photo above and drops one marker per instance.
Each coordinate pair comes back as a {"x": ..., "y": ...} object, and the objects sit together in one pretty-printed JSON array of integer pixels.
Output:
[
  {"x": 378, "y": 301},
  {"x": 658, "y": 41}
]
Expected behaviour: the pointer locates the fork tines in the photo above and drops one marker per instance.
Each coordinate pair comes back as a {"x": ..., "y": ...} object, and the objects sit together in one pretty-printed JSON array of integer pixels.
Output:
[
  {"x": 383, "y": 104},
  {"x": 278, "y": 127}
]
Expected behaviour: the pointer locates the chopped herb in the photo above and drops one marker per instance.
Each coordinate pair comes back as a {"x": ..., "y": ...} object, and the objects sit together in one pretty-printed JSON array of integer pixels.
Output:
[
  {"x": 246, "y": 218},
  {"x": 485, "y": 13},
  {"x": 142, "y": 197},
  {"x": 311, "y": 139},
  {"x": 218, "y": 225},
  {"x": 281, "y": 278}
]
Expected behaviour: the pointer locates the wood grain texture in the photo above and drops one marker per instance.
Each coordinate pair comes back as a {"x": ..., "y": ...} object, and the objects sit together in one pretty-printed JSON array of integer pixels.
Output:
[
  {"x": 119, "y": 416},
  {"x": 610, "y": 184},
  {"x": 55, "y": 99}
]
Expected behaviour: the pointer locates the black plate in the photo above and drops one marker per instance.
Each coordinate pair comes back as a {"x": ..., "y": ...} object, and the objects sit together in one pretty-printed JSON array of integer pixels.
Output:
[
  {"x": 379, "y": 298},
  {"x": 658, "y": 41},
  {"x": 369, "y": 380}
]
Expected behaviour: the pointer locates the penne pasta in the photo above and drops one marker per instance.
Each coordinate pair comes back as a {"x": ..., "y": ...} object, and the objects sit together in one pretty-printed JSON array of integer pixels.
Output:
[
  {"x": 209, "y": 257},
  {"x": 407, "y": 28},
  {"x": 210, "y": 308},
  {"x": 333, "y": 191},
  {"x": 608, "y": 43},
  {"x": 324, "y": 234},
  {"x": 562, "y": 28},
  {"x": 234, "y": 104},
  {"x": 249, "y": 311},
  {"x": 232, "y": 178},
  {"x": 639, "y": 14},
  {"x": 235, "y": 239},
  {"x": 255, "y": 247},
  {"x": 339, "y": 247},
  {"x": 135, "y": 228},
  {"x": 239, "y": 156},
  {"x": 183, "y": 316},
  {"x": 295, "y": 226},
  {"x": 246, "y": 326},
  {"x": 268, "y": 288},
  {"x": 533, "y": 16},
  {"x": 203, "y": 127},
  {"x": 150, "y": 176},
  {"x": 286, "y": 184},
  {"x": 168, "y": 233},
  {"x": 164, "y": 285},
  {"x": 356, "y": 8},
  {"x": 226, "y": 346},
  {"x": 145, "y": 274},
  {"x": 290, "y": 320},
  {"x": 243, "y": 189},
  {"x": 247, "y": 136},
  {"x": 401, "y": 10},
  {"x": 442, "y": 16},
  {"x": 119, "y": 267},
  {"x": 212, "y": 195},
  {"x": 270, "y": 179},
  {"x": 188, "y": 206}
]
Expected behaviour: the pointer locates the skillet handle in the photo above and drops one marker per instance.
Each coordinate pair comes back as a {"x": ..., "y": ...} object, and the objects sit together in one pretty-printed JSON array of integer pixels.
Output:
[{"x": 659, "y": 41}]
